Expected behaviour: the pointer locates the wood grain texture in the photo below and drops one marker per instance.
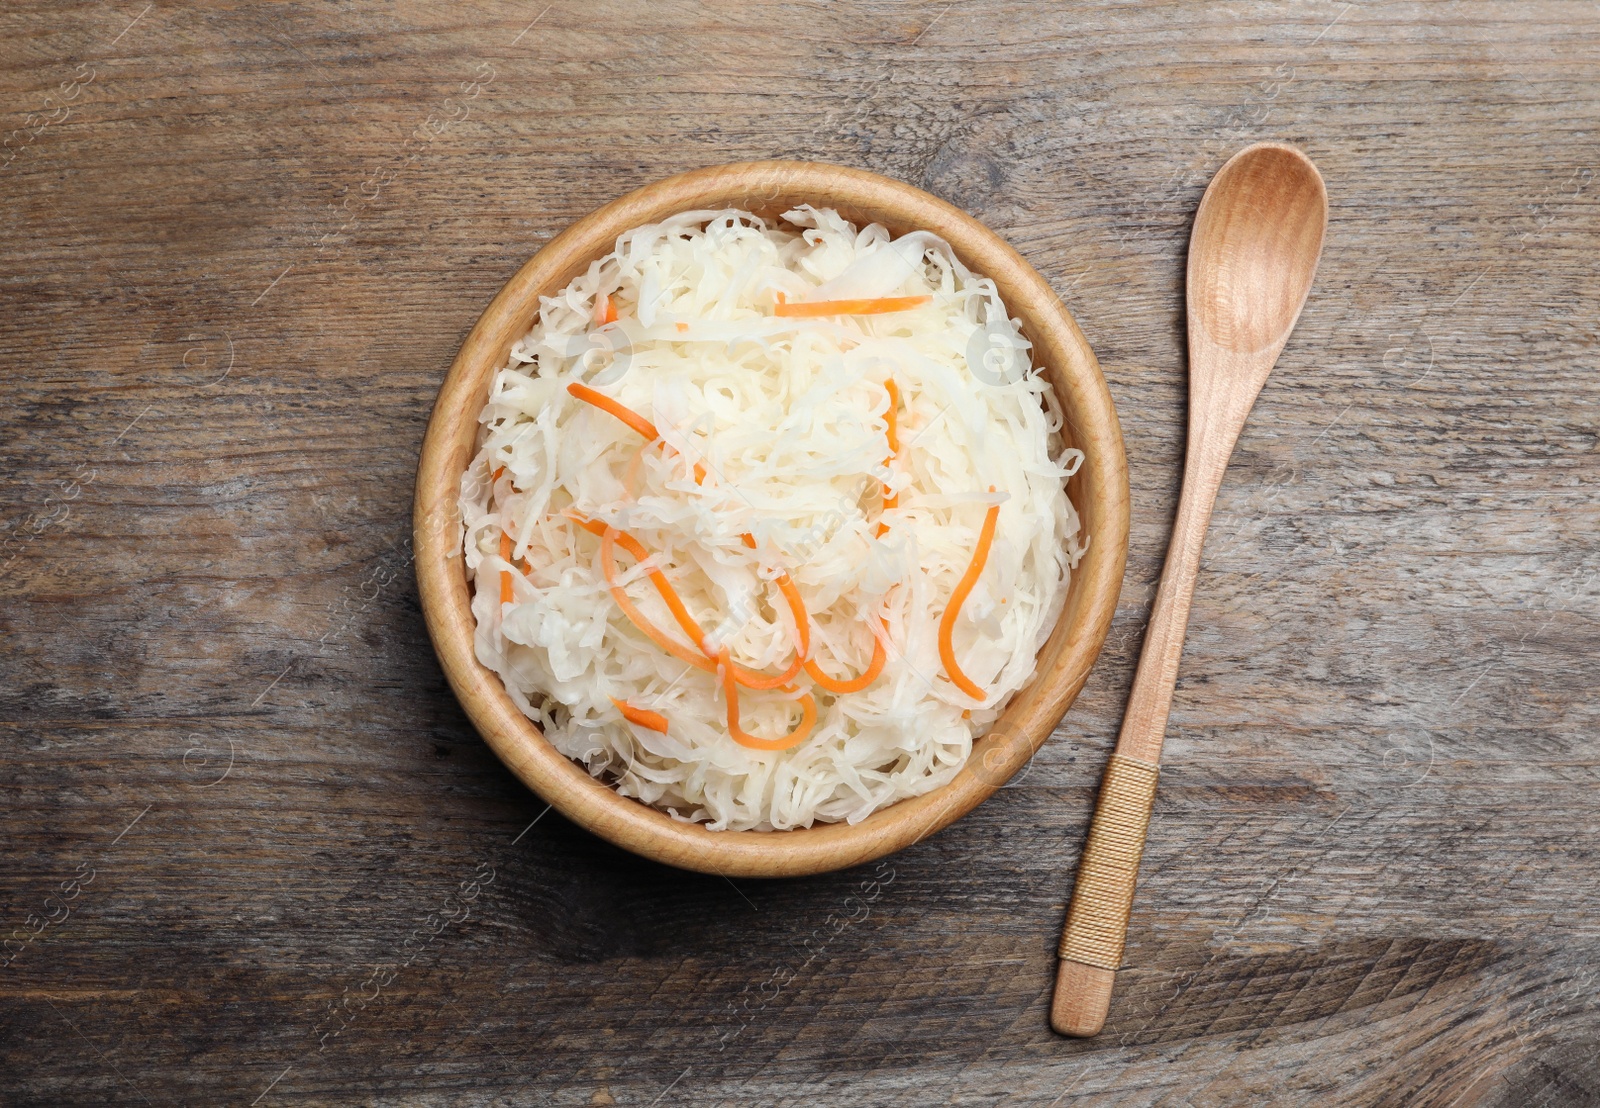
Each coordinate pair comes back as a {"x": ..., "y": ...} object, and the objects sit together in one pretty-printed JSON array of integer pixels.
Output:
[{"x": 1370, "y": 878}]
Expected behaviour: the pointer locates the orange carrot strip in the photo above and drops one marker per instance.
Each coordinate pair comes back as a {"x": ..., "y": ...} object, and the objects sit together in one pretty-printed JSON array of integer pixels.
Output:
[
  {"x": 730, "y": 690},
  {"x": 632, "y": 418},
  {"x": 749, "y": 678},
  {"x": 745, "y": 676},
  {"x": 856, "y": 684},
  {"x": 669, "y": 594},
  {"x": 761, "y": 682},
  {"x": 605, "y": 311},
  {"x": 609, "y": 538},
  {"x": 892, "y": 433},
  {"x": 608, "y": 563},
  {"x": 810, "y": 309},
  {"x": 506, "y": 595},
  {"x": 892, "y": 416},
  {"x": 947, "y": 650},
  {"x": 644, "y": 717},
  {"x": 797, "y": 609},
  {"x": 802, "y": 624},
  {"x": 600, "y": 400},
  {"x": 683, "y": 328}
]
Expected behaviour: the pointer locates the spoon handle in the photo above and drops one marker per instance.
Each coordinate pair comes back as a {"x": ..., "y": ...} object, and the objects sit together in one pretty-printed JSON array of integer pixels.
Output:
[{"x": 1102, "y": 897}]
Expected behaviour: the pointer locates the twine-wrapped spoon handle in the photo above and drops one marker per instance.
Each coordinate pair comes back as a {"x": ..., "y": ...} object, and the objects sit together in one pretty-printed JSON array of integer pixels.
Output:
[{"x": 1252, "y": 257}]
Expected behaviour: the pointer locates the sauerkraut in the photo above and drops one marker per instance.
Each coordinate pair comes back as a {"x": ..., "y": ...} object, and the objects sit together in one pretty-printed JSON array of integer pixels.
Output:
[{"x": 773, "y": 467}]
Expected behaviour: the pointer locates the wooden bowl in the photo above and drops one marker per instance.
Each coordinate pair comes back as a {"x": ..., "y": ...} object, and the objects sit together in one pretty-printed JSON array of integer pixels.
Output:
[{"x": 1099, "y": 491}]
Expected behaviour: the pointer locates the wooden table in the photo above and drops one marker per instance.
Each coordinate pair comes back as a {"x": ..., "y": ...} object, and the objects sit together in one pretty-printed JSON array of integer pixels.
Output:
[{"x": 254, "y": 854}]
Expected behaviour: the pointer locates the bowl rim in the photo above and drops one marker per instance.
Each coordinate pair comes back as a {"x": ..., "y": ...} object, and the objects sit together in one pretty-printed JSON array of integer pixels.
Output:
[{"x": 1099, "y": 493}]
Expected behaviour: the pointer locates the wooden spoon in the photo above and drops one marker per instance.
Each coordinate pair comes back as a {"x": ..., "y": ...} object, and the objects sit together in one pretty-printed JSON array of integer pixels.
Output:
[{"x": 1252, "y": 256}]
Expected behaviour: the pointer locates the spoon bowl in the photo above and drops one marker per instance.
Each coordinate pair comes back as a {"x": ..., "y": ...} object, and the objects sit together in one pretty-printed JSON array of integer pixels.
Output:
[{"x": 1253, "y": 253}]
